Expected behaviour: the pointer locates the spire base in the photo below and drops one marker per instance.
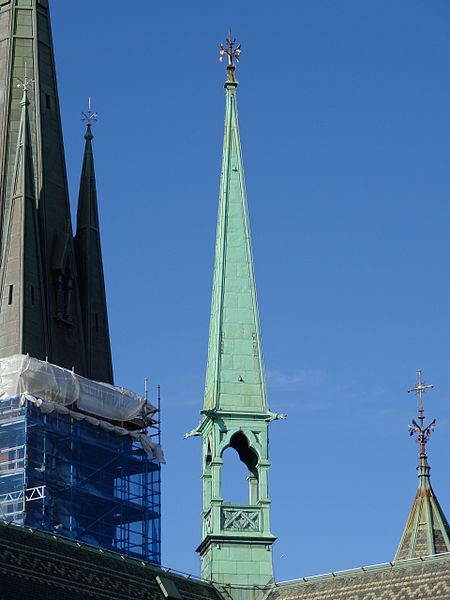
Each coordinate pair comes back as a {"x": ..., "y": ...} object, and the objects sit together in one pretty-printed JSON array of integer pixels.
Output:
[{"x": 231, "y": 77}]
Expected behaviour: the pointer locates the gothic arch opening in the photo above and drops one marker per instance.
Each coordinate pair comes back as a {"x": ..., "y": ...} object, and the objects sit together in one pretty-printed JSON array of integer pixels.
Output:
[
  {"x": 239, "y": 485},
  {"x": 208, "y": 455}
]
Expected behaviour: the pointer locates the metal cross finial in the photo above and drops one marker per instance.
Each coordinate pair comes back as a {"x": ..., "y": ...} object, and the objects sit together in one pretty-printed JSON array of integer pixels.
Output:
[
  {"x": 25, "y": 83},
  {"x": 89, "y": 116},
  {"x": 229, "y": 50},
  {"x": 423, "y": 432}
]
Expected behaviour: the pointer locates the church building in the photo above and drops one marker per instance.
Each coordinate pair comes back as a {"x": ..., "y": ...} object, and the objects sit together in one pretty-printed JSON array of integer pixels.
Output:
[{"x": 80, "y": 458}]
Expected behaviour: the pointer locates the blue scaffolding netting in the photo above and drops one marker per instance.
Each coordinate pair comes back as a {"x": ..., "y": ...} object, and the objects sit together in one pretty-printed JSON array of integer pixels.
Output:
[{"x": 62, "y": 472}]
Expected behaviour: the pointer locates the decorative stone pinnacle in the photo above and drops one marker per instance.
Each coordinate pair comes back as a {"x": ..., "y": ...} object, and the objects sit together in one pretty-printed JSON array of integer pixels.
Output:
[
  {"x": 89, "y": 117},
  {"x": 423, "y": 432},
  {"x": 232, "y": 52}
]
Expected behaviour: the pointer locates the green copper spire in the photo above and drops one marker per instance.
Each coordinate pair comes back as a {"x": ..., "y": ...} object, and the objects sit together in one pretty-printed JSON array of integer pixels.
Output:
[
  {"x": 22, "y": 315},
  {"x": 236, "y": 547},
  {"x": 427, "y": 531},
  {"x": 90, "y": 268},
  {"x": 235, "y": 371}
]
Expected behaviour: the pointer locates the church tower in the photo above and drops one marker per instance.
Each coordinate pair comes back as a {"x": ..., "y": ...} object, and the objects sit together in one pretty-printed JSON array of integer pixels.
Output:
[
  {"x": 236, "y": 547},
  {"x": 41, "y": 312},
  {"x": 427, "y": 531},
  {"x": 78, "y": 457}
]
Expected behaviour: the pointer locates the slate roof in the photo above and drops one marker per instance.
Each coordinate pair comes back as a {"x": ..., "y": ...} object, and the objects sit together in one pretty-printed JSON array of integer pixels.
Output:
[
  {"x": 41, "y": 566},
  {"x": 415, "y": 579}
]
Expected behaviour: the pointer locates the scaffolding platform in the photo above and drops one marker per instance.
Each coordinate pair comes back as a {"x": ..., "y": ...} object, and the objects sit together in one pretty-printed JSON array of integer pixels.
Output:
[{"x": 94, "y": 480}]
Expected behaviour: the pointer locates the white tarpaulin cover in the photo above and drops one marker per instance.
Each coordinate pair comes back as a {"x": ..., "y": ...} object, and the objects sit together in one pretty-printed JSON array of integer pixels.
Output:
[
  {"x": 53, "y": 388},
  {"x": 23, "y": 375},
  {"x": 151, "y": 448}
]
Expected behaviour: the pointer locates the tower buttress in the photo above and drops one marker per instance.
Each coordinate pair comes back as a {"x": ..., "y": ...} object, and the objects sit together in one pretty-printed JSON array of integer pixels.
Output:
[
  {"x": 90, "y": 272},
  {"x": 236, "y": 547}
]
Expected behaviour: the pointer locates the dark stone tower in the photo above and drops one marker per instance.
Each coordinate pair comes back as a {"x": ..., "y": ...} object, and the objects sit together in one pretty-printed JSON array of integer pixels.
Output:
[{"x": 46, "y": 310}]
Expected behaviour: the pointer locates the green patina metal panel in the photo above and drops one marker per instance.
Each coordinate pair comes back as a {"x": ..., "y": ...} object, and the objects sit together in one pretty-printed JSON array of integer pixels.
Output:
[{"x": 235, "y": 372}]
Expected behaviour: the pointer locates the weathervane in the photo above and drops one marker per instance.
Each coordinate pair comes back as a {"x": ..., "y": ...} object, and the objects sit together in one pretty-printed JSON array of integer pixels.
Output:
[
  {"x": 89, "y": 117},
  {"x": 423, "y": 432},
  {"x": 231, "y": 52},
  {"x": 25, "y": 83}
]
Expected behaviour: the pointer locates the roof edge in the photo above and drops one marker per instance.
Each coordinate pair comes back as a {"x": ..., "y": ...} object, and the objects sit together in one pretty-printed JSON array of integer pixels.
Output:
[{"x": 370, "y": 568}]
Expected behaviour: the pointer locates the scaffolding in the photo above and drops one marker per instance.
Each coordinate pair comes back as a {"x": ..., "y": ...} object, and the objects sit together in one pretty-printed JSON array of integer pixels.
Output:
[{"x": 61, "y": 473}]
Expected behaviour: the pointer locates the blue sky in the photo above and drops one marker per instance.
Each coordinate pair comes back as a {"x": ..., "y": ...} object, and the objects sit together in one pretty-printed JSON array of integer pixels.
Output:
[{"x": 345, "y": 124}]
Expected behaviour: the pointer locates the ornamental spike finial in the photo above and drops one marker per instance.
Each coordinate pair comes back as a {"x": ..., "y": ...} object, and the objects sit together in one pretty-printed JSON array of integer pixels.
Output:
[
  {"x": 89, "y": 117},
  {"x": 25, "y": 83},
  {"x": 423, "y": 432},
  {"x": 232, "y": 53}
]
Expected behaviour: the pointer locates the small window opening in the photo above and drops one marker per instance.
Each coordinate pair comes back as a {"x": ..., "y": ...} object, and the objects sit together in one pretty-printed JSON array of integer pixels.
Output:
[
  {"x": 10, "y": 294},
  {"x": 64, "y": 290},
  {"x": 32, "y": 295},
  {"x": 48, "y": 103},
  {"x": 96, "y": 322}
]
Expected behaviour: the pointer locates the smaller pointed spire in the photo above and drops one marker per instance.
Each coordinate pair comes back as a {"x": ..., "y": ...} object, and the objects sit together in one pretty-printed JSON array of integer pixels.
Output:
[
  {"x": 427, "y": 531},
  {"x": 22, "y": 305},
  {"x": 90, "y": 266}
]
